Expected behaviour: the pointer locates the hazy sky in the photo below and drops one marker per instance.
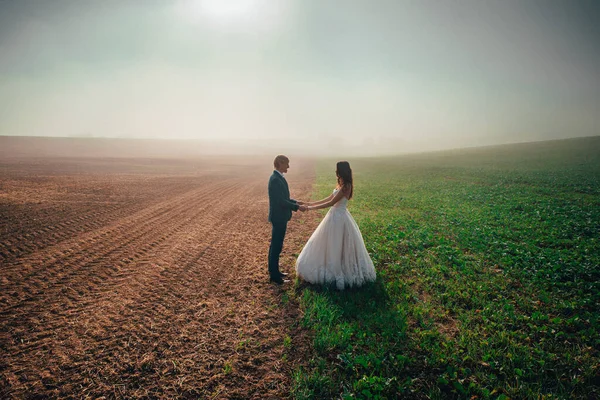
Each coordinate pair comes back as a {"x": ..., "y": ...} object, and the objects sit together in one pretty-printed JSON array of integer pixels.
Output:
[{"x": 368, "y": 75}]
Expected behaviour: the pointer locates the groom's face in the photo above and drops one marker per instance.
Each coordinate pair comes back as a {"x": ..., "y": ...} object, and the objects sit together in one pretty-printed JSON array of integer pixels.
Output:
[{"x": 283, "y": 167}]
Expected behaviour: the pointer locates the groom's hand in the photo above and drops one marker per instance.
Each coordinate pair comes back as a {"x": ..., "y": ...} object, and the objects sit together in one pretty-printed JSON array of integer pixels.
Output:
[
  {"x": 303, "y": 208},
  {"x": 300, "y": 203}
]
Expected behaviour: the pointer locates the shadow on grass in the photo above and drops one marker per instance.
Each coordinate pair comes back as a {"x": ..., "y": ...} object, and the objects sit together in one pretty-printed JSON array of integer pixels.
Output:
[
  {"x": 369, "y": 306},
  {"x": 359, "y": 338}
]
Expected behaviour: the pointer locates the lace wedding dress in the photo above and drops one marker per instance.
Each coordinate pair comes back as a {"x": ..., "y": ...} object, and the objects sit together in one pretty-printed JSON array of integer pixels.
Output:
[{"x": 336, "y": 252}]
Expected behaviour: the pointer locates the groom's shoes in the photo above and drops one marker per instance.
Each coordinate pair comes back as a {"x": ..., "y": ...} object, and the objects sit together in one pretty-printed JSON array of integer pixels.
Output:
[
  {"x": 279, "y": 280},
  {"x": 283, "y": 274}
]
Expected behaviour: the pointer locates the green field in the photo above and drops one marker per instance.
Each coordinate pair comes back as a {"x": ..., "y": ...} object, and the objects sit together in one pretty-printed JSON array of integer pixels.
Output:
[{"x": 488, "y": 278}]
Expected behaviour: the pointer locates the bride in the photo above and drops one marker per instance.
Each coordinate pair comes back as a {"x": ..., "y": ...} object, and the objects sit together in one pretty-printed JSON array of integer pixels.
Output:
[{"x": 336, "y": 253}]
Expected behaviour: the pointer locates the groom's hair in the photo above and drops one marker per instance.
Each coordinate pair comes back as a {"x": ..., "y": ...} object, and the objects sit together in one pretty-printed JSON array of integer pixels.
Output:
[{"x": 280, "y": 159}]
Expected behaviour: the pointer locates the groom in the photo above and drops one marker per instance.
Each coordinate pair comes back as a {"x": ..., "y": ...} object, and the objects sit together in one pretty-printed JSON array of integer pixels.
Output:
[{"x": 280, "y": 212}]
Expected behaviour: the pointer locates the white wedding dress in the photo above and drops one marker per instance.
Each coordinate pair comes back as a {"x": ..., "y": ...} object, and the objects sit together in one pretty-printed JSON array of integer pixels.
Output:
[{"x": 336, "y": 252}]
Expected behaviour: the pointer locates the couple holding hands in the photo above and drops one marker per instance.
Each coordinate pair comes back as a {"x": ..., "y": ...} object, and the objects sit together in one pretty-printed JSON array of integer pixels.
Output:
[{"x": 335, "y": 254}]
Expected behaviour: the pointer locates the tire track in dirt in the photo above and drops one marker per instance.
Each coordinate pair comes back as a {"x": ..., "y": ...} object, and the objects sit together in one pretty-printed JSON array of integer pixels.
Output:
[
  {"x": 179, "y": 270},
  {"x": 80, "y": 274},
  {"x": 63, "y": 224},
  {"x": 114, "y": 269},
  {"x": 72, "y": 301},
  {"x": 18, "y": 244},
  {"x": 184, "y": 309},
  {"x": 71, "y": 256},
  {"x": 14, "y": 243}
]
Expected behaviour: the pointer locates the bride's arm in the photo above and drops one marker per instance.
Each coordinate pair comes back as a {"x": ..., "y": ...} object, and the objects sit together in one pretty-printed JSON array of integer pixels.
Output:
[
  {"x": 318, "y": 202},
  {"x": 338, "y": 196}
]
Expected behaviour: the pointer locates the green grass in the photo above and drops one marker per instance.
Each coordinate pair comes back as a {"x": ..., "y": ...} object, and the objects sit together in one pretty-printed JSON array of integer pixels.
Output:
[{"x": 488, "y": 278}]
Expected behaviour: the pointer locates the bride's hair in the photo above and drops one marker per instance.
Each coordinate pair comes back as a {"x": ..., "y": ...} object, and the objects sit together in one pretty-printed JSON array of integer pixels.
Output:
[{"x": 344, "y": 176}]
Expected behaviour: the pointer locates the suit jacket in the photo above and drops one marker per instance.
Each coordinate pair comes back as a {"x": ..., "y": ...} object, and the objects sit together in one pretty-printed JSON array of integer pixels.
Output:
[{"x": 280, "y": 204}]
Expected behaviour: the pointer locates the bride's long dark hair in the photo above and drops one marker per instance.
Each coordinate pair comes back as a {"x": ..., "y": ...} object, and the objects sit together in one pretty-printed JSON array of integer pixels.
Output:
[{"x": 344, "y": 176}]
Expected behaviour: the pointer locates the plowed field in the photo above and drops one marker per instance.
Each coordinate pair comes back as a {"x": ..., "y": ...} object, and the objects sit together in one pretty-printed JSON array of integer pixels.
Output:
[{"x": 129, "y": 278}]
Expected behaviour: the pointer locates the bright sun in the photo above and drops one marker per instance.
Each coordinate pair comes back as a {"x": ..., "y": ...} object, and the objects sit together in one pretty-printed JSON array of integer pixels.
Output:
[
  {"x": 225, "y": 9},
  {"x": 232, "y": 13}
]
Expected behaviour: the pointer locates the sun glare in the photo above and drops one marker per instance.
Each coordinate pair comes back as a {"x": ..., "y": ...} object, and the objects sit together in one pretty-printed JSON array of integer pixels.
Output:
[
  {"x": 227, "y": 9},
  {"x": 238, "y": 15},
  {"x": 230, "y": 13}
]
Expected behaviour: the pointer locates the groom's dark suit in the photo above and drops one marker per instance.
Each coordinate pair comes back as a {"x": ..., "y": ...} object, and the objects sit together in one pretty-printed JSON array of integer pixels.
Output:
[{"x": 280, "y": 212}]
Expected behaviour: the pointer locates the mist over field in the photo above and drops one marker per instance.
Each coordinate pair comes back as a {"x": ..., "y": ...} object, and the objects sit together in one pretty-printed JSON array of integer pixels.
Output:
[
  {"x": 140, "y": 215},
  {"x": 301, "y": 77}
]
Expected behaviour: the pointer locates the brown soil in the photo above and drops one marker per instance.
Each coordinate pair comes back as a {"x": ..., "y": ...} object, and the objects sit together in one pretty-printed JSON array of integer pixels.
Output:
[{"x": 130, "y": 278}]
